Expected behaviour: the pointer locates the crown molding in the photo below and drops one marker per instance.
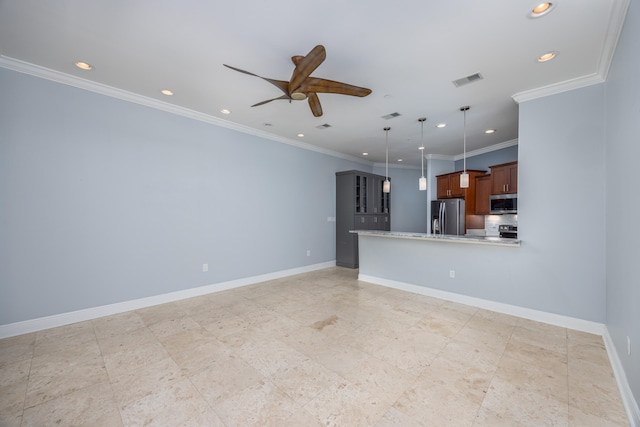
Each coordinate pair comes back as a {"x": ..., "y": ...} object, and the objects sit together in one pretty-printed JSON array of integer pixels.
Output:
[
  {"x": 489, "y": 149},
  {"x": 614, "y": 29},
  {"x": 557, "y": 88},
  {"x": 473, "y": 153},
  {"x": 102, "y": 89},
  {"x": 616, "y": 23},
  {"x": 439, "y": 157}
]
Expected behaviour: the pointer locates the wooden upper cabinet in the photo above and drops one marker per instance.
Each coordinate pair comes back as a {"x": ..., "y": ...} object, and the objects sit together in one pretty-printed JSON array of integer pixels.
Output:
[
  {"x": 483, "y": 191},
  {"x": 504, "y": 178},
  {"x": 449, "y": 185}
]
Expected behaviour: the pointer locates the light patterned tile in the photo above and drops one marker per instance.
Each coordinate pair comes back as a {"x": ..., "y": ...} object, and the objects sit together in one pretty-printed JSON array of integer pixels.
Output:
[
  {"x": 60, "y": 373},
  {"x": 315, "y": 349},
  {"x": 91, "y": 406},
  {"x": 345, "y": 404},
  {"x": 64, "y": 338},
  {"x": 395, "y": 418},
  {"x": 171, "y": 404},
  {"x": 13, "y": 388},
  {"x": 305, "y": 381},
  {"x": 17, "y": 348},
  {"x": 135, "y": 384},
  {"x": 516, "y": 403},
  {"x": 261, "y": 404},
  {"x": 223, "y": 377}
]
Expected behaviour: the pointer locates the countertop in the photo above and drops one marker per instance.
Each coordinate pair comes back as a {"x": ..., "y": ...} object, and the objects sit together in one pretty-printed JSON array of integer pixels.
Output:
[{"x": 449, "y": 238}]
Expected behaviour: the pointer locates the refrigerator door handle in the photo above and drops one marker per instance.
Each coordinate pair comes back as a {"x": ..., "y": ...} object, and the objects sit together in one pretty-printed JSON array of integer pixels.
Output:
[{"x": 443, "y": 227}]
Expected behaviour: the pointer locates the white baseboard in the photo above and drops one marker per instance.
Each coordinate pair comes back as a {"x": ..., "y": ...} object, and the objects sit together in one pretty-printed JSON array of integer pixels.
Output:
[
  {"x": 630, "y": 404},
  {"x": 513, "y": 310},
  {"x": 62, "y": 319}
]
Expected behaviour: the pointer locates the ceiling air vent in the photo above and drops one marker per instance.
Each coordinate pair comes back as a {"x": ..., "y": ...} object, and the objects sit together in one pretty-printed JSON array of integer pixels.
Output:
[
  {"x": 466, "y": 80},
  {"x": 391, "y": 116},
  {"x": 324, "y": 126}
]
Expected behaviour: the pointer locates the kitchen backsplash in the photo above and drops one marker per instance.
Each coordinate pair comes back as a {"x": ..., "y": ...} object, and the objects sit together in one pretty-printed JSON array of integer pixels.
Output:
[{"x": 491, "y": 223}]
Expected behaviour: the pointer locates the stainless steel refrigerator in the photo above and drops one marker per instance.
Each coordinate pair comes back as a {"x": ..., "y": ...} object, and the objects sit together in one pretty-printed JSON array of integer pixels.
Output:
[{"x": 447, "y": 216}]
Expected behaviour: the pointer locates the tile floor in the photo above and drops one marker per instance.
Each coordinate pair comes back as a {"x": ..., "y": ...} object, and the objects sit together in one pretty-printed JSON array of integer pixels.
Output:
[{"x": 317, "y": 349}]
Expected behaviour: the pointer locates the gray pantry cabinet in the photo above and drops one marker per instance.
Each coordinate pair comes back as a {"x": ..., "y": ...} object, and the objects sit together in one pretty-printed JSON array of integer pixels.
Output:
[{"x": 360, "y": 205}]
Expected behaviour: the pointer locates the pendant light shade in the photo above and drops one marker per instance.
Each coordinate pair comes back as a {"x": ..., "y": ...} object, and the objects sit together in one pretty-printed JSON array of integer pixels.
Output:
[
  {"x": 464, "y": 180},
  {"x": 464, "y": 176},
  {"x": 422, "y": 182},
  {"x": 386, "y": 187}
]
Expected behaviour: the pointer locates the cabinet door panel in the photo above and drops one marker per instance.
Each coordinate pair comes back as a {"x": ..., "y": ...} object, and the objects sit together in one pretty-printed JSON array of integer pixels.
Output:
[
  {"x": 499, "y": 179},
  {"x": 513, "y": 179},
  {"x": 362, "y": 222},
  {"x": 483, "y": 190},
  {"x": 443, "y": 187},
  {"x": 454, "y": 182},
  {"x": 362, "y": 194}
]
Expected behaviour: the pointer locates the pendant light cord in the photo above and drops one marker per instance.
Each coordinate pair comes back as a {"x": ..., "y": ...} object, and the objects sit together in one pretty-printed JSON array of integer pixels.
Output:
[
  {"x": 387, "y": 152},
  {"x": 464, "y": 137},
  {"x": 421, "y": 120}
]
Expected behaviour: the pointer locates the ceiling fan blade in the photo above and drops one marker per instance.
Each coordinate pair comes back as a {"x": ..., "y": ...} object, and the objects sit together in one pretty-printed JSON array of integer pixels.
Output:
[
  {"x": 273, "y": 99},
  {"x": 280, "y": 84},
  {"x": 317, "y": 85},
  {"x": 305, "y": 66},
  {"x": 314, "y": 103}
]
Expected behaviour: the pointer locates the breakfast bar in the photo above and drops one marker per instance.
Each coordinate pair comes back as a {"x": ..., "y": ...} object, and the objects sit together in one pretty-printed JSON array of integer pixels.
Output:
[
  {"x": 444, "y": 238},
  {"x": 475, "y": 270}
]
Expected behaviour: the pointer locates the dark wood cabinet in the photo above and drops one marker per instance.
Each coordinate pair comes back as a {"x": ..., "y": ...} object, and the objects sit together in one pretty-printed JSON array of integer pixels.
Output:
[
  {"x": 504, "y": 178},
  {"x": 483, "y": 191},
  {"x": 449, "y": 186},
  {"x": 360, "y": 205}
]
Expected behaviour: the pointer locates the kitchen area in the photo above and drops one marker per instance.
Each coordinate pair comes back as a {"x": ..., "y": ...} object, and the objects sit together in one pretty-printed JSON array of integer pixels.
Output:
[
  {"x": 485, "y": 212},
  {"x": 487, "y": 207}
]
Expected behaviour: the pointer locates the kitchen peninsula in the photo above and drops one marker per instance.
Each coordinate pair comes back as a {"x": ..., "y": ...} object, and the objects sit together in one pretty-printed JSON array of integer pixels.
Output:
[
  {"x": 473, "y": 270},
  {"x": 447, "y": 238}
]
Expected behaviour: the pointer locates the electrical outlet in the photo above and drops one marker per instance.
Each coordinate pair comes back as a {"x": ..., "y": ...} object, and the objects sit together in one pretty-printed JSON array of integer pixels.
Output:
[
  {"x": 628, "y": 346},
  {"x": 205, "y": 268},
  {"x": 452, "y": 274},
  {"x": 308, "y": 252}
]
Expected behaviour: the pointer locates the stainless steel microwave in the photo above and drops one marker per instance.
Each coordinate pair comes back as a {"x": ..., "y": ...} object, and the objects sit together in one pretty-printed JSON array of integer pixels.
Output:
[{"x": 503, "y": 204}]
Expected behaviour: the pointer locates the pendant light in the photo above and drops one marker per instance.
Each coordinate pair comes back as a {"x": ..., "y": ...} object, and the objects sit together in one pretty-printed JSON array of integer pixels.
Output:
[
  {"x": 386, "y": 187},
  {"x": 422, "y": 182},
  {"x": 464, "y": 176}
]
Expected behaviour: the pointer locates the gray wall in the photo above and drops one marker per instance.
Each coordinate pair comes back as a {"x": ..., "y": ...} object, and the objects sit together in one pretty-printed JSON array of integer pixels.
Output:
[
  {"x": 104, "y": 201},
  {"x": 623, "y": 204},
  {"x": 408, "y": 204},
  {"x": 560, "y": 219},
  {"x": 560, "y": 267},
  {"x": 483, "y": 161}
]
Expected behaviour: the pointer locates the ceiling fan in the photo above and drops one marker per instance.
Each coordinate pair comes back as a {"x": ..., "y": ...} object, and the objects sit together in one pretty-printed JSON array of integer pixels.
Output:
[{"x": 303, "y": 86}]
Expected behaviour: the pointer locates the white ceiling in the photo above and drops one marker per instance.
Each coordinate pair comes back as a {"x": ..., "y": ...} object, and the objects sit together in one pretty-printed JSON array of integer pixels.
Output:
[{"x": 407, "y": 51}]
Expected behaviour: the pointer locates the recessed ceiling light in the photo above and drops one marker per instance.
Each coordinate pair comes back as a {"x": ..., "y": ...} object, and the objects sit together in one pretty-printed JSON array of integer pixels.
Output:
[
  {"x": 420, "y": 148},
  {"x": 166, "y": 92},
  {"x": 490, "y": 131},
  {"x": 365, "y": 154},
  {"x": 541, "y": 9},
  {"x": 441, "y": 125},
  {"x": 400, "y": 160},
  {"x": 301, "y": 135},
  {"x": 547, "y": 56},
  {"x": 225, "y": 111},
  {"x": 84, "y": 65}
]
